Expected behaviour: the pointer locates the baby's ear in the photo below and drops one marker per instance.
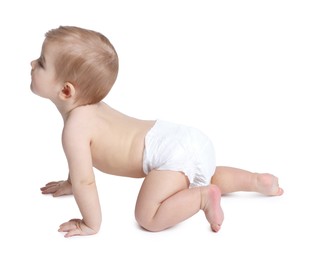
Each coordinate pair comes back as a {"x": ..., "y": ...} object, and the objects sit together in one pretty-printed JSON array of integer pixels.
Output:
[{"x": 67, "y": 91}]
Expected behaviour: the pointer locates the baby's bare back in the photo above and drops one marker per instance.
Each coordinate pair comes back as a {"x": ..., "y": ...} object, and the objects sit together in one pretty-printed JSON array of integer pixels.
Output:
[{"x": 117, "y": 141}]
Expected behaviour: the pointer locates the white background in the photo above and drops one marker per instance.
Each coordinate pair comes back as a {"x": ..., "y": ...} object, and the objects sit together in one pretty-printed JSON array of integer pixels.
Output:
[{"x": 242, "y": 71}]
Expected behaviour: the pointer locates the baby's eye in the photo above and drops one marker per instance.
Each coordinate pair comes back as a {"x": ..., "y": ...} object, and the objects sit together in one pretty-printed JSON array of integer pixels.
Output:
[{"x": 40, "y": 63}]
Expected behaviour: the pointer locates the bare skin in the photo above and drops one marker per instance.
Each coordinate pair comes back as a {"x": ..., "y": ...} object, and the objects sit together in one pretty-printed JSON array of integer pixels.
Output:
[
  {"x": 99, "y": 136},
  {"x": 230, "y": 179}
]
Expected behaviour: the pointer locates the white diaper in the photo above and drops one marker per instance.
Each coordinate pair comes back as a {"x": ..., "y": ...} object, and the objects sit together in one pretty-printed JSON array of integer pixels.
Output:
[{"x": 174, "y": 147}]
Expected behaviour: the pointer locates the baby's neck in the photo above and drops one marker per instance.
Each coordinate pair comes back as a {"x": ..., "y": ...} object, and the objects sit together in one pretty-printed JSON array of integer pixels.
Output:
[{"x": 65, "y": 109}]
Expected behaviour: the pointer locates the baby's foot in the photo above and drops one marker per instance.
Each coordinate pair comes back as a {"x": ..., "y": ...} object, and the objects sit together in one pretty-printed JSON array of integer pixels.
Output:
[
  {"x": 211, "y": 206},
  {"x": 267, "y": 184}
]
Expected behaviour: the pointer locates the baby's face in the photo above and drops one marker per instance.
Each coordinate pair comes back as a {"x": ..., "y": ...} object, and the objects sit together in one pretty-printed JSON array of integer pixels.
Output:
[{"x": 43, "y": 73}]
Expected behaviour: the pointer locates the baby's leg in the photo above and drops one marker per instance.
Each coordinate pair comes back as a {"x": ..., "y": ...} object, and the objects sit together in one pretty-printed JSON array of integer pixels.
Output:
[
  {"x": 165, "y": 200},
  {"x": 230, "y": 179}
]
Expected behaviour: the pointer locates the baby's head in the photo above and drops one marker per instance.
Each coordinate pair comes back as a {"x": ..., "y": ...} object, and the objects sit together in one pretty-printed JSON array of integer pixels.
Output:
[{"x": 86, "y": 59}]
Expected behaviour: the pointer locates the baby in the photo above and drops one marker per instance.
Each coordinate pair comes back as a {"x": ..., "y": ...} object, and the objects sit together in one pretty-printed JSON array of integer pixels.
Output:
[{"x": 76, "y": 70}]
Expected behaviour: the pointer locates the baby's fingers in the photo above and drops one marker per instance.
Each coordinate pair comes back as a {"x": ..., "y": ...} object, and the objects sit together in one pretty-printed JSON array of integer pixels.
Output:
[
  {"x": 52, "y": 188},
  {"x": 49, "y": 189},
  {"x": 52, "y": 183},
  {"x": 72, "y": 228}
]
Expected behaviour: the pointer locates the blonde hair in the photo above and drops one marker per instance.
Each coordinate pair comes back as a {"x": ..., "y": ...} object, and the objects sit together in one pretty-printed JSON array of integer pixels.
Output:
[{"x": 86, "y": 59}]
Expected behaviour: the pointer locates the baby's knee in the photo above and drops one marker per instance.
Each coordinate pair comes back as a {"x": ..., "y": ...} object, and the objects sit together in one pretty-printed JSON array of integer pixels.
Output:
[{"x": 146, "y": 222}]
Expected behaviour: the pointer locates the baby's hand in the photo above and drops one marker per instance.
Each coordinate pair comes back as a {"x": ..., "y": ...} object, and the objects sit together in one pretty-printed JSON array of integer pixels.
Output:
[
  {"x": 57, "y": 188},
  {"x": 76, "y": 227}
]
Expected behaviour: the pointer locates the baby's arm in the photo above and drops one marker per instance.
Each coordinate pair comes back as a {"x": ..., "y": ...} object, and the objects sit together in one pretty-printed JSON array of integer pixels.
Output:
[{"x": 76, "y": 144}]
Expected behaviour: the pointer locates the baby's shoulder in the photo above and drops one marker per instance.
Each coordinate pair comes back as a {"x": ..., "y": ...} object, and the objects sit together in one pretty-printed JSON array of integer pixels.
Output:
[{"x": 79, "y": 120}]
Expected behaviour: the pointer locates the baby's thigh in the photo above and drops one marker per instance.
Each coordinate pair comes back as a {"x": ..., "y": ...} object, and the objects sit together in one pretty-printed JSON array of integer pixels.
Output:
[{"x": 156, "y": 188}]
